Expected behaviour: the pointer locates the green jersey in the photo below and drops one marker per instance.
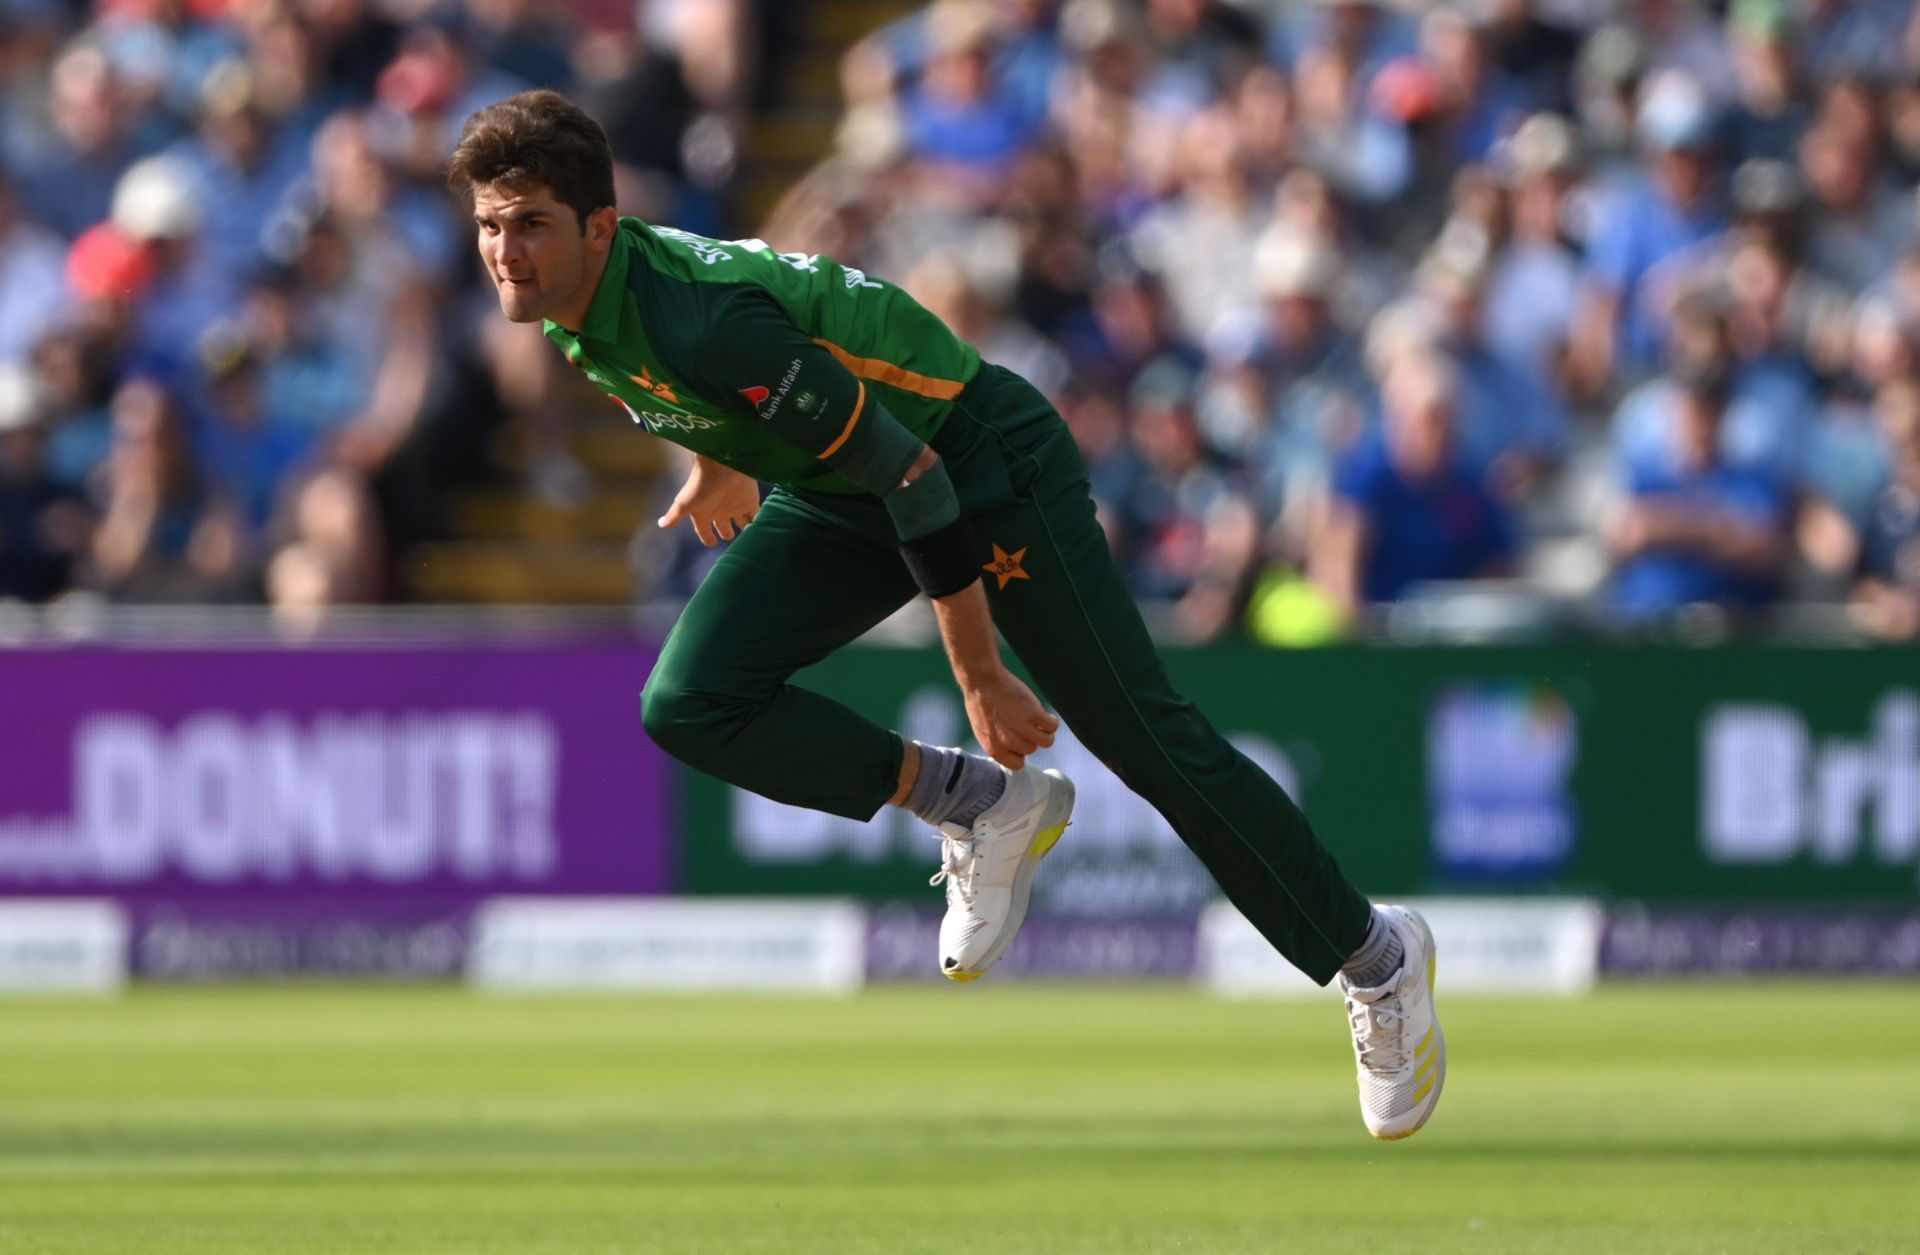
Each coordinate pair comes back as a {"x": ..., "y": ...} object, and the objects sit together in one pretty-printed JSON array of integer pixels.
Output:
[{"x": 788, "y": 367}]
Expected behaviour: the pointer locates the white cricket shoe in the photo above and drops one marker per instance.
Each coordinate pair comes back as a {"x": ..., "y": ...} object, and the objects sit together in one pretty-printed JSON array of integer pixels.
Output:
[
  {"x": 1396, "y": 1036},
  {"x": 988, "y": 869}
]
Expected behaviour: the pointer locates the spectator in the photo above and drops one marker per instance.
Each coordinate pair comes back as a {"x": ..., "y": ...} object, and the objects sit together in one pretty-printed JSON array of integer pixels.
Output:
[
  {"x": 1024, "y": 51},
  {"x": 431, "y": 86},
  {"x": 1696, "y": 530},
  {"x": 157, "y": 207},
  {"x": 1189, "y": 535},
  {"x": 1200, "y": 238},
  {"x": 1363, "y": 34},
  {"x": 1849, "y": 468},
  {"x": 33, "y": 283},
  {"x": 523, "y": 40},
  {"x": 332, "y": 555},
  {"x": 1509, "y": 428},
  {"x": 240, "y": 166},
  {"x": 639, "y": 90},
  {"x": 1535, "y": 53},
  {"x": 1763, "y": 428},
  {"x": 43, "y": 526},
  {"x": 1767, "y": 117},
  {"x": 89, "y": 143},
  {"x": 1203, "y": 48},
  {"x": 1407, "y": 510},
  {"x": 1532, "y": 292},
  {"x": 1290, "y": 400},
  {"x": 74, "y": 366},
  {"x": 1871, "y": 36},
  {"x": 956, "y": 123},
  {"x": 164, "y": 534},
  {"x": 1127, "y": 322},
  {"x": 1644, "y": 226},
  {"x": 163, "y": 52},
  {"x": 1787, "y": 321},
  {"x": 248, "y": 440},
  {"x": 1887, "y": 594},
  {"x": 1860, "y": 224},
  {"x": 1903, "y": 130},
  {"x": 1343, "y": 136},
  {"x": 1478, "y": 103},
  {"x": 1607, "y": 87},
  {"x": 1681, "y": 38}
]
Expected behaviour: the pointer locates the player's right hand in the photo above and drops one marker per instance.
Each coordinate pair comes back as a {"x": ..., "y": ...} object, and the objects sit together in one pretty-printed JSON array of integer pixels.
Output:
[
  {"x": 1008, "y": 720},
  {"x": 719, "y": 500}
]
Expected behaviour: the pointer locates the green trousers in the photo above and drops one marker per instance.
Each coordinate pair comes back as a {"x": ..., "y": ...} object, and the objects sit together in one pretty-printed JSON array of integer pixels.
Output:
[{"x": 814, "y": 571}]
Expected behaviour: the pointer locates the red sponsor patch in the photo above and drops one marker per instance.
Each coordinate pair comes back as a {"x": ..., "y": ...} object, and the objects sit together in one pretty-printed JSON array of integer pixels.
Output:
[{"x": 758, "y": 396}]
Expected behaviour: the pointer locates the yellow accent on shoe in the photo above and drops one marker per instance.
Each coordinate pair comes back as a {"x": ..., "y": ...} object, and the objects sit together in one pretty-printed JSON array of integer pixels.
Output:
[
  {"x": 1425, "y": 1042},
  {"x": 1426, "y": 1087},
  {"x": 1426, "y": 1067},
  {"x": 1044, "y": 840},
  {"x": 965, "y": 975}
]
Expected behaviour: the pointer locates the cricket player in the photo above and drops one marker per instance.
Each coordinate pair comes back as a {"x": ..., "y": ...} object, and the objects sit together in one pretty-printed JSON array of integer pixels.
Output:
[{"x": 903, "y": 464}]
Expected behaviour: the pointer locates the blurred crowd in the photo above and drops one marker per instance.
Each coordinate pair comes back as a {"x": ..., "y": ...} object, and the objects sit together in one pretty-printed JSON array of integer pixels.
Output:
[
  {"x": 1603, "y": 308},
  {"x": 244, "y": 346}
]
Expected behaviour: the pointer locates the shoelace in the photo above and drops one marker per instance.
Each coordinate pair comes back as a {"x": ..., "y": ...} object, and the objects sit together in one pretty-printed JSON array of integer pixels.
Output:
[
  {"x": 959, "y": 859},
  {"x": 1378, "y": 1028}
]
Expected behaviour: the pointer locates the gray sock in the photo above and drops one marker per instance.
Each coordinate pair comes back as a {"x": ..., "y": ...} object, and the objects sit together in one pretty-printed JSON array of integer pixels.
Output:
[
  {"x": 1378, "y": 957},
  {"x": 954, "y": 787}
]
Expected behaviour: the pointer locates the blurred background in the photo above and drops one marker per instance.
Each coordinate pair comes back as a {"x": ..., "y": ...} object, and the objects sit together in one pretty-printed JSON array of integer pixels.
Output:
[
  {"x": 1527, "y": 315},
  {"x": 1507, "y": 414}
]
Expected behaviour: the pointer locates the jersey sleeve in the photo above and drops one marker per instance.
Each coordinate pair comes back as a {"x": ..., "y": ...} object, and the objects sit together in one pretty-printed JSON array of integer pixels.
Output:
[{"x": 752, "y": 355}]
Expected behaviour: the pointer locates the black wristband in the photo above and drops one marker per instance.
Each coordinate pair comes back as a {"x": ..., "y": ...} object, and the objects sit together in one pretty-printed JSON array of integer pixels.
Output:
[{"x": 945, "y": 561}]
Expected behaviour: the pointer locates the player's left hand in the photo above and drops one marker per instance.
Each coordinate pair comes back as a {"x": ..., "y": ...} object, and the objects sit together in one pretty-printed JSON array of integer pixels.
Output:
[
  {"x": 718, "y": 499},
  {"x": 1008, "y": 720}
]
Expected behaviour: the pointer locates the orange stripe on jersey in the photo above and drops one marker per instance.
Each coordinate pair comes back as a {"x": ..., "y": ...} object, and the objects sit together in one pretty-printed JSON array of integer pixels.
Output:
[
  {"x": 859, "y": 408},
  {"x": 894, "y": 376}
]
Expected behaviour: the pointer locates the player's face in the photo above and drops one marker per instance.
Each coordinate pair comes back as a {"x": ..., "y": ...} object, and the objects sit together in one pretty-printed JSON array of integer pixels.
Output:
[{"x": 537, "y": 252}]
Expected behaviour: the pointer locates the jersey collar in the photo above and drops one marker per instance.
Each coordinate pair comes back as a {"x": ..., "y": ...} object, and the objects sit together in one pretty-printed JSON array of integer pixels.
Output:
[{"x": 603, "y": 316}]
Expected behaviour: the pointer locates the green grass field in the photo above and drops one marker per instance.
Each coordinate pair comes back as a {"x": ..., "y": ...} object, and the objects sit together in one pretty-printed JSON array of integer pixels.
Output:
[{"x": 992, "y": 1119}]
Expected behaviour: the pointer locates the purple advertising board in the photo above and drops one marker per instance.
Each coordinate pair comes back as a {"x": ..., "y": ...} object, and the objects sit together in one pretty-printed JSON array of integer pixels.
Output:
[
  {"x": 1762, "y": 939},
  {"x": 269, "y": 809}
]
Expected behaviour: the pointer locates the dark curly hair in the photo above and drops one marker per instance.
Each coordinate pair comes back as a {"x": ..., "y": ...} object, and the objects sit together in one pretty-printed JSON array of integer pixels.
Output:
[{"x": 536, "y": 138}]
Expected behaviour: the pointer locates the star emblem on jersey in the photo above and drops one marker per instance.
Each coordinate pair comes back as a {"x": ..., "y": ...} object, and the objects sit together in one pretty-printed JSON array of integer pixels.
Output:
[
  {"x": 662, "y": 389},
  {"x": 1007, "y": 565}
]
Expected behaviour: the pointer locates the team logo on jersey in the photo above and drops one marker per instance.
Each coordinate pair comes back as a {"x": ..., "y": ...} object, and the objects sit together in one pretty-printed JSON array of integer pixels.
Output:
[
  {"x": 1007, "y": 565},
  {"x": 661, "y": 389},
  {"x": 756, "y": 395}
]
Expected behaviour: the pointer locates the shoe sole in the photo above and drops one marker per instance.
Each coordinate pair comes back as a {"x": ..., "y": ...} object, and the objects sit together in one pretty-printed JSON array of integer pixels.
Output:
[
  {"x": 1439, "y": 1034},
  {"x": 1053, "y": 824}
]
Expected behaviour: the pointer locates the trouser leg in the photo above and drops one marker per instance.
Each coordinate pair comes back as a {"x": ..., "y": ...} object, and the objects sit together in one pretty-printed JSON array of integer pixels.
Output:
[
  {"x": 796, "y": 585},
  {"x": 1075, "y": 626}
]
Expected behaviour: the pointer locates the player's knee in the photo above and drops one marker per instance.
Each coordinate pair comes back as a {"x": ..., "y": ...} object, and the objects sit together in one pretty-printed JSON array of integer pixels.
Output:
[
  {"x": 678, "y": 720},
  {"x": 671, "y": 714}
]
